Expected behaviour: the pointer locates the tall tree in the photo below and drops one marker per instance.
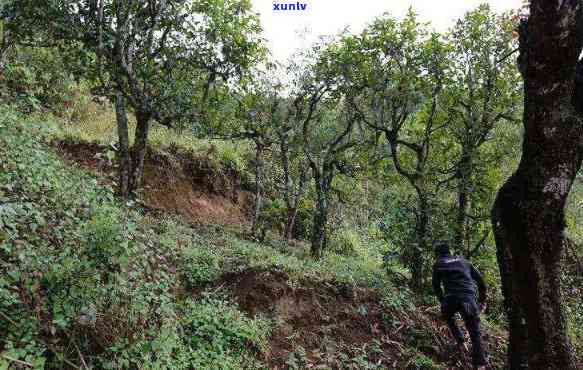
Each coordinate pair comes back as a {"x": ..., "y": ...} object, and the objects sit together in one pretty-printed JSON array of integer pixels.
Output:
[
  {"x": 528, "y": 215},
  {"x": 259, "y": 115},
  {"x": 483, "y": 91},
  {"x": 294, "y": 164},
  {"x": 328, "y": 125},
  {"x": 399, "y": 99}
]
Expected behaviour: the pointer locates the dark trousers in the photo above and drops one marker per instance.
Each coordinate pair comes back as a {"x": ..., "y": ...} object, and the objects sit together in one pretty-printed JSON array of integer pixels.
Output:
[{"x": 468, "y": 308}]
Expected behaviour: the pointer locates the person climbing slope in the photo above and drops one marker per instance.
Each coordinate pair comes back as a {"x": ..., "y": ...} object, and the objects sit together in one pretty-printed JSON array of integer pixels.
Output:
[{"x": 459, "y": 278}]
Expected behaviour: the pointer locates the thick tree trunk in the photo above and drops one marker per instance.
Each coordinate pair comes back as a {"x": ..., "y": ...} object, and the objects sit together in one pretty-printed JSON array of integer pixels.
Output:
[
  {"x": 139, "y": 149},
  {"x": 258, "y": 193},
  {"x": 517, "y": 344},
  {"x": 125, "y": 163},
  {"x": 529, "y": 212},
  {"x": 464, "y": 188},
  {"x": 529, "y": 234}
]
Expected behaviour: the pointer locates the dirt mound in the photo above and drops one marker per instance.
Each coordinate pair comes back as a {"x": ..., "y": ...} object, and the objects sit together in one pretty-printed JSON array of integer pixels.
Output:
[
  {"x": 194, "y": 188},
  {"x": 320, "y": 323},
  {"x": 322, "y": 319},
  {"x": 191, "y": 186}
]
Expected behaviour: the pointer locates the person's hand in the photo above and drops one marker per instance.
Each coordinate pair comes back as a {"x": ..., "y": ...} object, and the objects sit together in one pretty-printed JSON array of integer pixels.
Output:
[{"x": 483, "y": 307}]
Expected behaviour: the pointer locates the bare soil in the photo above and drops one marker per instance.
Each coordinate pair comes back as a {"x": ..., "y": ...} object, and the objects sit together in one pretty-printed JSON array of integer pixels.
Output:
[{"x": 191, "y": 186}]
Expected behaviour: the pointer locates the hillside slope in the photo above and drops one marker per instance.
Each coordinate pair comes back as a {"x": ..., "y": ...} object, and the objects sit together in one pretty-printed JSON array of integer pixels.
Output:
[{"x": 89, "y": 282}]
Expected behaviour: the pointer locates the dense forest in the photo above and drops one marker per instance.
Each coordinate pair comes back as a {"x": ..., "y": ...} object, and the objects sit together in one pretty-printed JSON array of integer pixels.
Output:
[{"x": 171, "y": 197}]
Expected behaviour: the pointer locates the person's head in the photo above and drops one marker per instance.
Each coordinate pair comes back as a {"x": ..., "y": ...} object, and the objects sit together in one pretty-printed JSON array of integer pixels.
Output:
[{"x": 441, "y": 249}]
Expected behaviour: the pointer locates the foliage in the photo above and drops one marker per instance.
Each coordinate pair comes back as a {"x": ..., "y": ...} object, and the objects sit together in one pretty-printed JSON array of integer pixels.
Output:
[
  {"x": 201, "y": 266},
  {"x": 345, "y": 242},
  {"x": 222, "y": 336},
  {"x": 42, "y": 78},
  {"x": 374, "y": 142}
]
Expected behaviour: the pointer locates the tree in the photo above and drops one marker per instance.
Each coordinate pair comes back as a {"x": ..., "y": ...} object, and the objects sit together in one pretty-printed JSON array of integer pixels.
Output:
[
  {"x": 164, "y": 56},
  {"x": 180, "y": 51},
  {"x": 399, "y": 99},
  {"x": 266, "y": 118},
  {"x": 259, "y": 115},
  {"x": 295, "y": 167},
  {"x": 528, "y": 215},
  {"x": 483, "y": 91},
  {"x": 328, "y": 126}
]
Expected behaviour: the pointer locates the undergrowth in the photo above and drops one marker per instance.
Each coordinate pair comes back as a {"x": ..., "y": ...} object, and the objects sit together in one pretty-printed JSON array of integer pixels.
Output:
[{"x": 87, "y": 281}]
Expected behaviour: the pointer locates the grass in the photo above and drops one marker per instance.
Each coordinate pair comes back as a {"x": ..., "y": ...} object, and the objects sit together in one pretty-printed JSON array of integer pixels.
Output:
[{"x": 98, "y": 125}]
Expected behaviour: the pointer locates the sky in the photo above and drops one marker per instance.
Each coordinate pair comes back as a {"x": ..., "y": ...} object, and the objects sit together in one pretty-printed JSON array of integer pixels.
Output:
[{"x": 325, "y": 17}]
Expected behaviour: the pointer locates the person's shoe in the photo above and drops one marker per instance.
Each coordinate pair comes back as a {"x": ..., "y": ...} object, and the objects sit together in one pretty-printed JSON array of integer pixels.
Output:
[{"x": 481, "y": 367}]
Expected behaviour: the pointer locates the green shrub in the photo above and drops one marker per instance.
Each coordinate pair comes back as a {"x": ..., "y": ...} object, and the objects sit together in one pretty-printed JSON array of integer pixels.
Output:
[
  {"x": 422, "y": 362},
  {"x": 103, "y": 235},
  {"x": 200, "y": 266},
  {"x": 36, "y": 78},
  {"x": 303, "y": 226},
  {"x": 345, "y": 242},
  {"x": 220, "y": 336},
  {"x": 229, "y": 154},
  {"x": 273, "y": 215}
]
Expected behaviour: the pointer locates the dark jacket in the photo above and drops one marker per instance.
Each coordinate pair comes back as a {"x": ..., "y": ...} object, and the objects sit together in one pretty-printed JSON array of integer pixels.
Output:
[{"x": 459, "y": 278}]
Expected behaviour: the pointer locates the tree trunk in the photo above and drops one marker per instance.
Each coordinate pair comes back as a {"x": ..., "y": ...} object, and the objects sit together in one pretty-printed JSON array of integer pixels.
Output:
[
  {"x": 125, "y": 163},
  {"x": 292, "y": 213},
  {"x": 464, "y": 188},
  {"x": 529, "y": 236},
  {"x": 4, "y": 46},
  {"x": 293, "y": 190},
  {"x": 421, "y": 229},
  {"x": 294, "y": 198},
  {"x": 139, "y": 149},
  {"x": 288, "y": 185},
  {"x": 258, "y": 196},
  {"x": 529, "y": 215},
  {"x": 320, "y": 223},
  {"x": 517, "y": 343}
]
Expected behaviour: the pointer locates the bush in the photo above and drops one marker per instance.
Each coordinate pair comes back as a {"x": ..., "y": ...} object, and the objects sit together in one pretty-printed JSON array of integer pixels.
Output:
[
  {"x": 345, "y": 242},
  {"x": 273, "y": 216},
  {"x": 303, "y": 225},
  {"x": 36, "y": 78},
  {"x": 200, "y": 266},
  {"x": 220, "y": 336},
  {"x": 103, "y": 236}
]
